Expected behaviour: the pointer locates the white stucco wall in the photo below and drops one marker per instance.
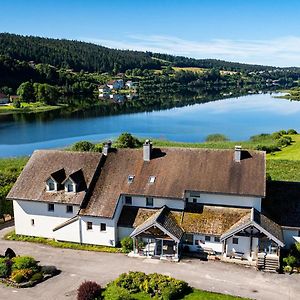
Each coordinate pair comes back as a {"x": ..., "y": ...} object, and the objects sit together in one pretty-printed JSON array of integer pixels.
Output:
[
  {"x": 242, "y": 246},
  {"x": 227, "y": 200},
  {"x": 157, "y": 202},
  {"x": 124, "y": 231},
  {"x": 69, "y": 233},
  {"x": 44, "y": 220},
  {"x": 95, "y": 236},
  {"x": 215, "y": 246},
  {"x": 288, "y": 236}
]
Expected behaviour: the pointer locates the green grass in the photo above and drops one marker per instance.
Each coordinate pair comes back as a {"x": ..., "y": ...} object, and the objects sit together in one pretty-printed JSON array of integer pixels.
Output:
[
  {"x": 195, "y": 295},
  {"x": 12, "y": 236},
  {"x": 27, "y": 108},
  {"x": 291, "y": 152},
  {"x": 284, "y": 170},
  {"x": 12, "y": 164},
  {"x": 204, "y": 295}
]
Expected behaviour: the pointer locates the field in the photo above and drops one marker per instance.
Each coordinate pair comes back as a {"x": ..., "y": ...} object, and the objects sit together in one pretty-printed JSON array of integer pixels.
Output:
[
  {"x": 192, "y": 69},
  {"x": 27, "y": 107}
]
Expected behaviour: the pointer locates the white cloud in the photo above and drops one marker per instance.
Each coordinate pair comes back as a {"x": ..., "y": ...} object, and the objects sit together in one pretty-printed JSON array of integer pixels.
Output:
[{"x": 284, "y": 51}]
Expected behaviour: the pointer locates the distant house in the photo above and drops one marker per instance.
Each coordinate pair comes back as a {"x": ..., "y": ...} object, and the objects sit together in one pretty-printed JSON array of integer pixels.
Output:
[
  {"x": 103, "y": 89},
  {"x": 14, "y": 98},
  {"x": 116, "y": 84},
  {"x": 4, "y": 99},
  {"x": 130, "y": 84},
  {"x": 118, "y": 98},
  {"x": 168, "y": 200}
]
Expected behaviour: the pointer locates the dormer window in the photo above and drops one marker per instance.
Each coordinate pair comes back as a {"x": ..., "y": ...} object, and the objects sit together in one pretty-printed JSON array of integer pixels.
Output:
[
  {"x": 51, "y": 185},
  {"x": 152, "y": 179},
  {"x": 130, "y": 178},
  {"x": 70, "y": 186}
]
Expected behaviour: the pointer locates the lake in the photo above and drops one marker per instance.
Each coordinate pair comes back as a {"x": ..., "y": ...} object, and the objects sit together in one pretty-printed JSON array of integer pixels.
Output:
[{"x": 238, "y": 118}]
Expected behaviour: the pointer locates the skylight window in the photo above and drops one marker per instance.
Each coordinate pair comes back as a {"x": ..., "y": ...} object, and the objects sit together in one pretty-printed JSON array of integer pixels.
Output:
[
  {"x": 152, "y": 179},
  {"x": 130, "y": 178}
]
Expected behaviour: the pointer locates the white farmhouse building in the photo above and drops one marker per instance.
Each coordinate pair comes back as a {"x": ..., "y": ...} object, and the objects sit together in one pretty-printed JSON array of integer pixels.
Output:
[
  {"x": 168, "y": 200},
  {"x": 115, "y": 84}
]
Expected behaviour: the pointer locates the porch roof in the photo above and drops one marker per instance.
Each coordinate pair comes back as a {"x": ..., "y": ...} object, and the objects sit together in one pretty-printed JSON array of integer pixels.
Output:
[
  {"x": 262, "y": 223},
  {"x": 165, "y": 221}
]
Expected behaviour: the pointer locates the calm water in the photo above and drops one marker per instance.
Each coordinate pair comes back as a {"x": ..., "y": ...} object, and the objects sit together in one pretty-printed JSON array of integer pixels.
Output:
[{"x": 237, "y": 118}]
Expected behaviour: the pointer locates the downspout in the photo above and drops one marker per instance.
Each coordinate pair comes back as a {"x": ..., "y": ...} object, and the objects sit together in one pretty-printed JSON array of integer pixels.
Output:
[{"x": 80, "y": 230}]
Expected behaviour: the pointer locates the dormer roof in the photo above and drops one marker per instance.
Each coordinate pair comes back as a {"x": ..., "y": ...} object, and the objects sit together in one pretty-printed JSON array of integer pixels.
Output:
[{"x": 45, "y": 164}]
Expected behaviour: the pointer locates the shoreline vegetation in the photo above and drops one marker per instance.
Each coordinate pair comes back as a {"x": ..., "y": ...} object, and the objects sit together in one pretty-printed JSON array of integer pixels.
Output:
[
  {"x": 36, "y": 82},
  {"x": 282, "y": 147}
]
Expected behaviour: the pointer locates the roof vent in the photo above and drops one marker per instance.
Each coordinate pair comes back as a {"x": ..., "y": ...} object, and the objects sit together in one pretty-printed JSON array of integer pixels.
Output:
[
  {"x": 237, "y": 153},
  {"x": 106, "y": 147},
  {"x": 147, "y": 149}
]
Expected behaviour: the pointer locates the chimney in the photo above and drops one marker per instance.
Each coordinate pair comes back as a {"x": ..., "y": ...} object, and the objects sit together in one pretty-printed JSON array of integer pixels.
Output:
[
  {"x": 237, "y": 153},
  {"x": 106, "y": 147},
  {"x": 147, "y": 148}
]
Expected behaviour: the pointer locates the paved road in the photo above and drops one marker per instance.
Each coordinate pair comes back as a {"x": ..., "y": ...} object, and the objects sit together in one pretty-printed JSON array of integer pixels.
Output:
[{"x": 77, "y": 266}]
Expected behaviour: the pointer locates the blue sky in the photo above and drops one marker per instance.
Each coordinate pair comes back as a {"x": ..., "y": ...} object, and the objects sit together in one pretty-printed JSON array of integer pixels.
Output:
[{"x": 256, "y": 31}]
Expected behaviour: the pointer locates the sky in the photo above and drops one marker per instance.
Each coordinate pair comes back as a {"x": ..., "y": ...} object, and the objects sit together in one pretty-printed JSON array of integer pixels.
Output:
[{"x": 257, "y": 31}]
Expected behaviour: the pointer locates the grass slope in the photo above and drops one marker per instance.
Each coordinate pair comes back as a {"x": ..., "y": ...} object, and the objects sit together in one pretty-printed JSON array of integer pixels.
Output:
[
  {"x": 291, "y": 152},
  {"x": 27, "y": 108}
]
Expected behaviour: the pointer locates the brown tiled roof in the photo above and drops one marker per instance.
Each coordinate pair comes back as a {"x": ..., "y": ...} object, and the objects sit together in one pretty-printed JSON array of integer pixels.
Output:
[
  {"x": 31, "y": 184},
  {"x": 262, "y": 222},
  {"x": 282, "y": 203},
  {"x": 211, "y": 220},
  {"x": 199, "y": 219},
  {"x": 165, "y": 219},
  {"x": 176, "y": 170}
]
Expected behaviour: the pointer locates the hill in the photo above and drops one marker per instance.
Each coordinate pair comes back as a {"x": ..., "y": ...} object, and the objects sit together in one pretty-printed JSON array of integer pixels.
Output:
[{"x": 89, "y": 57}]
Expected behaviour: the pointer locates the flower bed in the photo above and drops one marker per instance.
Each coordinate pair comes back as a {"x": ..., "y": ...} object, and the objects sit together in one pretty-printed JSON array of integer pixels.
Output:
[{"x": 24, "y": 271}]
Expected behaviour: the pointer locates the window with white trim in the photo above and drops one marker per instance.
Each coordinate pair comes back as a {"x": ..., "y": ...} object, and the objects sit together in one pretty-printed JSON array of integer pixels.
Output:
[
  {"x": 69, "y": 209},
  {"x": 89, "y": 225},
  {"x": 235, "y": 241},
  {"x": 149, "y": 201},
  {"x": 50, "y": 207},
  {"x": 207, "y": 238},
  {"x": 102, "y": 227}
]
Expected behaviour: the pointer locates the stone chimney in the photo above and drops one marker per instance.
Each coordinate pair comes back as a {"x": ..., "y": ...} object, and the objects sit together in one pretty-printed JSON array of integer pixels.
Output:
[
  {"x": 106, "y": 147},
  {"x": 237, "y": 153},
  {"x": 147, "y": 149}
]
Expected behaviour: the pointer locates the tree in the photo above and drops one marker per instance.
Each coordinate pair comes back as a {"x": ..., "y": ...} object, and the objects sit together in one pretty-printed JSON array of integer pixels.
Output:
[
  {"x": 83, "y": 146},
  {"x": 126, "y": 140},
  {"x": 26, "y": 92}
]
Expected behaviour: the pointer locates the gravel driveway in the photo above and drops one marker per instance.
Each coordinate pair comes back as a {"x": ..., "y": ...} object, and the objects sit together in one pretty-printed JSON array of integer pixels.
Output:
[{"x": 77, "y": 266}]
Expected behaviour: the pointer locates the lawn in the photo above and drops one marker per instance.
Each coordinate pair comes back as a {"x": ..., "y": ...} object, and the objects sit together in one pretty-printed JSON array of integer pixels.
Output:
[
  {"x": 291, "y": 152},
  {"x": 27, "y": 108},
  {"x": 12, "y": 236},
  {"x": 192, "y": 69},
  {"x": 195, "y": 295},
  {"x": 204, "y": 295}
]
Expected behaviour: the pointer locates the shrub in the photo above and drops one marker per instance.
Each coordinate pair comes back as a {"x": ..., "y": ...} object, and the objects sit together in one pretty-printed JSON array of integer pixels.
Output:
[
  {"x": 37, "y": 277},
  {"x": 127, "y": 244},
  {"x": 24, "y": 262},
  {"x": 97, "y": 148},
  {"x": 155, "y": 285},
  {"x": 49, "y": 270},
  {"x": 114, "y": 292},
  {"x": 126, "y": 140},
  {"x": 284, "y": 141},
  {"x": 83, "y": 146},
  {"x": 290, "y": 260},
  {"x": 292, "y": 131},
  {"x": 21, "y": 275},
  {"x": 216, "y": 137},
  {"x": 268, "y": 149},
  {"x": 288, "y": 269},
  {"x": 89, "y": 290},
  {"x": 261, "y": 137},
  {"x": 5, "y": 267}
]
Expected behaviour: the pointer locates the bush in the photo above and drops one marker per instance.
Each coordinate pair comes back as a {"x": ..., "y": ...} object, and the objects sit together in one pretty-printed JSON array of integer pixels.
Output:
[
  {"x": 114, "y": 292},
  {"x": 37, "y": 277},
  {"x": 24, "y": 262},
  {"x": 261, "y": 137},
  {"x": 49, "y": 270},
  {"x": 284, "y": 141},
  {"x": 89, "y": 290},
  {"x": 5, "y": 267},
  {"x": 268, "y": 149},
  {"x": 127, "y": 244},
  {"x": 216, "y": 137},
  {"x": 83, "y": 146},
  {"x": 132, "y": 281},
  {"x": 97, "y": 148},
  {"x": 21, "y": 275},
  {"x": 126, "y": 140},
  {"x": 290, "y": 261},
  {"x": 292, "y": 131},
  {"x": 288, "y": 269},
  {"x": 155, "y": 285}
]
